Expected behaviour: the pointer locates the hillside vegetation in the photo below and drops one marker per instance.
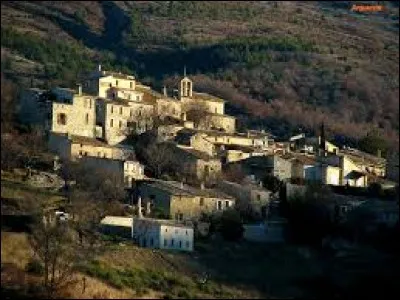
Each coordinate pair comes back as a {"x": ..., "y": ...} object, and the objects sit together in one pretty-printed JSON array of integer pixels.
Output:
[{"x": 280, "y": 65}]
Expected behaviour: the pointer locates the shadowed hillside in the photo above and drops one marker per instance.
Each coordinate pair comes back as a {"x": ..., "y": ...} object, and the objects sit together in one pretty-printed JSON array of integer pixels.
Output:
[{"x": 279, "y": 65}]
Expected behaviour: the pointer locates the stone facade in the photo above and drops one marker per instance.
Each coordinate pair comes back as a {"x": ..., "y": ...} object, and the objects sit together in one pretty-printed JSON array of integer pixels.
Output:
[
  {"x": 115, "y": 117},
  {"x": 76, "y": 118},
  {"x": 128, "y": 171},
  {"x": 248, "y": 196},
  {"x": 72, "y": 147},
  {"x": 261, "y": 166},
  {"x": 181, "y": 201}
]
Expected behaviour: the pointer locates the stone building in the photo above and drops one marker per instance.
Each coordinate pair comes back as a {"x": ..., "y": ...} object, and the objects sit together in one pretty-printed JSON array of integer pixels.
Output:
[
  {"x": 194, "y": 164},
  {"x": 183, "y": 202},
  {"x": 129, "y": 171},
  {"x": 115, "y": 116},
  {"x": 261, "y": 166},
  {"x": 249, "y": 196},
  {"x": 72, "y": 147},
  {"x": 76, "y": 115}
]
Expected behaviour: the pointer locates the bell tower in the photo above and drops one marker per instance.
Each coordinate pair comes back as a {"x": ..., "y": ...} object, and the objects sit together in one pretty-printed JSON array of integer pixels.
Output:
[{"x": 185, "y": 86}]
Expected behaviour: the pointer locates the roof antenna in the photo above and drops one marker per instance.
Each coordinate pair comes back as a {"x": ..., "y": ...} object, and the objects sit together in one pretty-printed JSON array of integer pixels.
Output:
[{"x": 184, "y": 71}]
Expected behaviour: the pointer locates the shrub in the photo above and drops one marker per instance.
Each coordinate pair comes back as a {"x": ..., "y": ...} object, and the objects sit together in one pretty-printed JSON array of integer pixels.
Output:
[
  {"x": 231, "y": 226},
  {"x": 35, "y": 267},
  {"x": 375, "y": 189}
]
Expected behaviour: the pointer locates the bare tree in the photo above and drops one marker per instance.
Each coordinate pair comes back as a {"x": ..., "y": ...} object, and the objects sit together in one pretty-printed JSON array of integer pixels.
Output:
[
  {"x": 198, "y": 113},
  {"x": 57, "y": 247},
  {"x": 158, "y": 158}
]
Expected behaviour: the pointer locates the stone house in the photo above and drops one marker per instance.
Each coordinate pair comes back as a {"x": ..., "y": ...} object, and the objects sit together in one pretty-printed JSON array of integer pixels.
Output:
[
  {"x": 71, "y": 147},
  {"x": 76, "y": 116},
  {"x": 249, "y": 196},
  {"x": 106, "y": 84},
  {"x": 129, "y": 171},
  {"x": 261, "y": 166},
  {"x": 194, "y": 164},
  {"x": 115, "y": 116},
  {"x": 183, "y": 202},
  {"x": 350, "y": 172},
  {"x": 371, "y": 164}
]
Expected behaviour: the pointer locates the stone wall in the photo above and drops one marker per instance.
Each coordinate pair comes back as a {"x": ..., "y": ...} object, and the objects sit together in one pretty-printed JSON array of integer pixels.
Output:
[{"x": 79, "y": 117}]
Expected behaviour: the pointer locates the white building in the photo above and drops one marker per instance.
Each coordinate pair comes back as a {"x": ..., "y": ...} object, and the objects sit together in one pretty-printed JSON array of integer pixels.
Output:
[
  {"x": 162, "y": 234},
  {"x": 151, "y": 233}
]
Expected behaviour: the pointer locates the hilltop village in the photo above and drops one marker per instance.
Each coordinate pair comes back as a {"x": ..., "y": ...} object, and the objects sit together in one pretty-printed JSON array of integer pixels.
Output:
[{"x": 200, "y": 163}]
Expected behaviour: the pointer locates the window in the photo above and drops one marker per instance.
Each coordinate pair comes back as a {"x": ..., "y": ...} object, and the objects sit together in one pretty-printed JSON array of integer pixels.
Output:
[
  {"x": 166, "y": 229},
  {"x": 131, "y": 85},
  {"x": 137, "y": 98},
  {"x": 111, "y": 123},
  {"x": 112, "y": 109},
  {"x": 219, "y": 205},
  {"x": 186, "y": 232},
  {"x": 120, "y": 110},
  {"x": 226, "y": 203},
  {"x": 116, "y": 82},
  {"x": 90, "y": 103},
  {"x": 87, "y": 119},
  {"x": 62, "y": 119},
  {"x": 215, "y": 110},
  {"x": 165, "y": 243},
  {"x": 131, "y": 113},
  {"x": 151, "y": 242},
  {"x": 201, "y": 201},
  {"x": 172, "y": 242},
  {"x": 180, "y": 244},
  {"x": 110, "y": 85},
  {"x": 120, "y": 124}
]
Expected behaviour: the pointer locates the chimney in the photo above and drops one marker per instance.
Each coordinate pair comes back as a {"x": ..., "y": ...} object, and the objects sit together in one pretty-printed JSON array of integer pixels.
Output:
[
  {"x": 148, "y": 210},
  {"x": 379, "y": 153},
  {"x": 165, "y": 91},
  {"x": 260, "y": 184},
  {"x": 139, "y": 207},
  {"x": 184, "y": 117},
  {"x": 181, "y": 184},
  {"x": 99, "y": 68},
  {"x": 80, "y": 89},
  {"x": 202, "y": 186}
]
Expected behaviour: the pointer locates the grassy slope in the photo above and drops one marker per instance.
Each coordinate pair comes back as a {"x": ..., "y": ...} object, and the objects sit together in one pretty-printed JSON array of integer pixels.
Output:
[
  {"x": 240, "y": 270},
  {"x": 349, "y": 76}
]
